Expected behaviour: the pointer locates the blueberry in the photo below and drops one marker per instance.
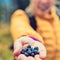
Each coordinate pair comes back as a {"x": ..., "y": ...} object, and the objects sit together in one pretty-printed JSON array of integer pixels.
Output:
[
  {"x": 32, "y": 54},
  {"x": 29, "y": 46},
  {"x": 26, "y": 54},
  {"x": 29, "y": 51},
  {"x": 22, "y": 52},
  {"x": 36, "y": 48},
  {"x": 25, "y": 49},
  {"x": 36, "y": 52},
  {"x": 32, "y": 50}
]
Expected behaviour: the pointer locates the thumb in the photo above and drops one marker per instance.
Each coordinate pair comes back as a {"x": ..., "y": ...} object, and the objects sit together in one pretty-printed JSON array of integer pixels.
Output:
[{"x": 17, "y": 47}]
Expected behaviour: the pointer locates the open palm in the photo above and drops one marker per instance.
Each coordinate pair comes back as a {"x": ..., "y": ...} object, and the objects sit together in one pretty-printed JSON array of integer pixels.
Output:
[{"x": 24, "y": 42}]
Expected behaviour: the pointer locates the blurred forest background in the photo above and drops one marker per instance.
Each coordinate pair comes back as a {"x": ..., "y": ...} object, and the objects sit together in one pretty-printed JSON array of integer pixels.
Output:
[{"x": 7, "y": 7}]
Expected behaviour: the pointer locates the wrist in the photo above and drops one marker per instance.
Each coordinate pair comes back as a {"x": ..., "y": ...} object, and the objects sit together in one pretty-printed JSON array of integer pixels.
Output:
[{"x": 33, "y": 38}]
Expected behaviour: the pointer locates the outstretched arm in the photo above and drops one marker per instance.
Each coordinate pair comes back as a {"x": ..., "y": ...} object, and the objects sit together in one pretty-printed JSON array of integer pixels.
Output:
[{"x": 20, "y": 26}]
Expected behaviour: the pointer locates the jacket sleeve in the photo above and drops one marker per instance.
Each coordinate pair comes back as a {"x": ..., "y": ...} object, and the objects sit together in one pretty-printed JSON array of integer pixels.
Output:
[{"x": 20, "y": 26}]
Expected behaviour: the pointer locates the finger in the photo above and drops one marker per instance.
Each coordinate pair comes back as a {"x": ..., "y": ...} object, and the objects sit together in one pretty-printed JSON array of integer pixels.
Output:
[
  {"x": 17, "y": 47},
  {"x": 42, "y": 49},
  {"x": 22, "y": 57},
  {"x": 27, "y": 40},
  {"x": 30, "y": 58},
  {"x": 37, "y": 57},
  {"x": 25, "y": 46}
]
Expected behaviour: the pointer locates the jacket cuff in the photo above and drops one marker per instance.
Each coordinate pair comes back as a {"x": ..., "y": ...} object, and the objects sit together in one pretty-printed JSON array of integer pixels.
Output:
[{"x": 34, "y": 38}]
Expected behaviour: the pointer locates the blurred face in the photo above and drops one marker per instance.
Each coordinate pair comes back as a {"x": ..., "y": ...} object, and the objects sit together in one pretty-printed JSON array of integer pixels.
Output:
[{"x": 42, "y": 5}]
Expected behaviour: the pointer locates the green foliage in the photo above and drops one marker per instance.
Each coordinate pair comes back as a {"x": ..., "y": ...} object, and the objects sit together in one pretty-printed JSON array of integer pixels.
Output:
[{"x": 5, "y": 43}]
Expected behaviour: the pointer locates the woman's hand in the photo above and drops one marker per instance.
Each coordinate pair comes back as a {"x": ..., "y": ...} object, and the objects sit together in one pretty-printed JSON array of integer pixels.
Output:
[{"x": 24, "y": 42}]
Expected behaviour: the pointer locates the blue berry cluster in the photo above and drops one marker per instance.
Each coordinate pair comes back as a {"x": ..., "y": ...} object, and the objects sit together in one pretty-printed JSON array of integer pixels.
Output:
[{"x": 29, "y": 51}]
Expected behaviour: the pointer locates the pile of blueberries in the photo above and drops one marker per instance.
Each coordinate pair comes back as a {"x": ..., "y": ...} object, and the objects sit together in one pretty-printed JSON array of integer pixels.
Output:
[{"x": 29, "y": 51}]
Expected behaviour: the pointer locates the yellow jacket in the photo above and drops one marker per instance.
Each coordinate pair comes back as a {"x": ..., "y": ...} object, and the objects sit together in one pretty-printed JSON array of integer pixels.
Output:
[{"x": 48, "y": 31}]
